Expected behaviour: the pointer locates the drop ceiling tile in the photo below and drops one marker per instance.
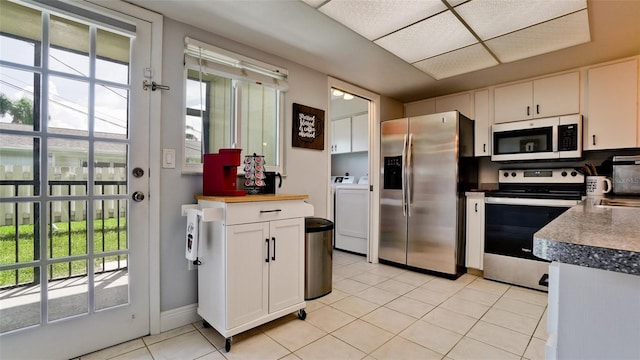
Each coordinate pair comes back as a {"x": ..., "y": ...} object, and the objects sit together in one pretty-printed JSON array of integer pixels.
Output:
[
  {"x": 550, "y": 36},
  {"x": 375, "y": 18},
  {"x": 455, "y": 3},
  {"x": 491, "y": 18},
  {"x": 461, "y": 61},
  {"x": 314, "y": 3},
  {"x": 433, "y": 36}
]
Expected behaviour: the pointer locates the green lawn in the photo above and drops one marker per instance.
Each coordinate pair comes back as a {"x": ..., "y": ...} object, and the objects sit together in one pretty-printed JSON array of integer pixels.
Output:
[{"x": 68, "y": 239}]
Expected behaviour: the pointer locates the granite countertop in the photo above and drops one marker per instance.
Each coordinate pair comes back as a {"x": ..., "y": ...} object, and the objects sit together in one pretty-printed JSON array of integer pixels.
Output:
[
  {"x": 253, "y": 198},
  {"x": 589, "y": 235}
]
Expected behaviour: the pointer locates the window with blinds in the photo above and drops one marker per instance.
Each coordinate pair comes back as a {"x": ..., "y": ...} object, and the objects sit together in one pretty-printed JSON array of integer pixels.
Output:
[{"x": 231, "y": 101}]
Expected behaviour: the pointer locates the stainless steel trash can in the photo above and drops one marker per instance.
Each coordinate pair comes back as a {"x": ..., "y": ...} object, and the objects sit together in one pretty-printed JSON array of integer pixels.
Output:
[{"x": 318, "y": 257}]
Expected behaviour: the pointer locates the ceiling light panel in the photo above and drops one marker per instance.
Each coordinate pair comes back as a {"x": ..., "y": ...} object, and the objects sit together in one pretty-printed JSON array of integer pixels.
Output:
[
  {"x": 375, "y": 18},
  {"x": 491, "y": 18},
  {"x": 433, "y": 36},
  {"x": 461, "y": 61},
  {"x": 550, "y": 36}
]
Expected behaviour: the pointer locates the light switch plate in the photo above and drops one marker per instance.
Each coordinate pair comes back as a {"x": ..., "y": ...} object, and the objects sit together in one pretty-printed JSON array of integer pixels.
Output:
[{"x": 168, "y": 158}]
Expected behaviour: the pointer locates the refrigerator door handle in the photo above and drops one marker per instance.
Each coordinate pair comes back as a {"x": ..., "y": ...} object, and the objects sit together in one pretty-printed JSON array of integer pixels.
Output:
[
  {"x": 404, "y": 170},
  {"x": 409, "y": 173}
]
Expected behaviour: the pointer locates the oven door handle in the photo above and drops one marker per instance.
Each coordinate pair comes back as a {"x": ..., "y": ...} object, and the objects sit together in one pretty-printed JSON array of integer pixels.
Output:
[{"x": 531, "y": 202}]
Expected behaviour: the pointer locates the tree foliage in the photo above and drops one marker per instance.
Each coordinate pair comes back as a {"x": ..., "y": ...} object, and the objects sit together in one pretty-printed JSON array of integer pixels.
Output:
[
  {"x": 21, "y": 110},
  {"x": 5, "y": 104}
]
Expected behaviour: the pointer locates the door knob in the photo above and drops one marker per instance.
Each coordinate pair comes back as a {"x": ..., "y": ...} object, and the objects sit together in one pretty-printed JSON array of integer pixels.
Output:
[{"x": 138, "y": 196}]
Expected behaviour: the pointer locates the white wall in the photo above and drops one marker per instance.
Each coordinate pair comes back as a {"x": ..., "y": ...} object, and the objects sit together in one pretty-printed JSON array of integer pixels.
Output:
[
  {"x": 356, "y": 164},
  {"x": 306, "y": 170}
]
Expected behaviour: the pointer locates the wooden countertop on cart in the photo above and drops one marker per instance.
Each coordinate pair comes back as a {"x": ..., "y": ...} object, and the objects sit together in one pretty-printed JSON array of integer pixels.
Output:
[{"x": 253, "y": 198}]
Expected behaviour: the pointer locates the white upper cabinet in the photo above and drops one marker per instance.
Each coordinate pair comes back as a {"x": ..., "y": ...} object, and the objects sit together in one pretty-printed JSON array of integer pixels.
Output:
[
  {"x": 513, "y": 102},
  {"x": 350, "y": 134},
  {"x": 482, "y": 127},
  {"x": 459, "y": 102},
  {"x": 421, "y": 107},
  {"x": 551, "y": 96},
  {"x": 612, "y": 105},
  {"x": 341, "y": 136},
  {"x": 360, "y": 133}
]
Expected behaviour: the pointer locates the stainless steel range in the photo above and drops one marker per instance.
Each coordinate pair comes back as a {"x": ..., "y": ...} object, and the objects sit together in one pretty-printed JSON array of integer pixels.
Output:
[{"x": 527, "y": 200}]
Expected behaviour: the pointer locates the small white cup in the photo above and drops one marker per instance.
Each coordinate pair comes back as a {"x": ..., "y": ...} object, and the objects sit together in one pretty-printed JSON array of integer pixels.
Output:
[{"x": 598, "y": 185}]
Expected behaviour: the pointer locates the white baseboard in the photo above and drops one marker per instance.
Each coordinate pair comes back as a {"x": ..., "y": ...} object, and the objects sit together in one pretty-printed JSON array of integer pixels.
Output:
[{"x": 181, "y": 316}]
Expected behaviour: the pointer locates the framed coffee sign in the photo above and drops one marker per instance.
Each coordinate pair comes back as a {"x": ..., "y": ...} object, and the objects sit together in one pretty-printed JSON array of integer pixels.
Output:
[{"x": 308, "y": 127}]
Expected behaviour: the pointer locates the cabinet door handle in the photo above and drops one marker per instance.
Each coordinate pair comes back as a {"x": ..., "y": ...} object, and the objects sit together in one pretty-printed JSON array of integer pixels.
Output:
[
  {"x": 538, "y": 109},
  {"x": 544, "y": 280},
  {"x": 484, "y": 147},
  {"x": 274, "y": 248},
  {"x": 476, "y": 207},
  {"x": 268, "y": 251},
  {"x": 594, "y": 139},
  {"x": 528, "y": 110},
  {"x": 270, "y": 211}
]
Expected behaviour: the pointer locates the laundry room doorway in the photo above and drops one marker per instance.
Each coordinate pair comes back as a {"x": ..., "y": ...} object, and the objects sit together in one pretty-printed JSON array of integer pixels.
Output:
[{"x": 352, "y": 113}]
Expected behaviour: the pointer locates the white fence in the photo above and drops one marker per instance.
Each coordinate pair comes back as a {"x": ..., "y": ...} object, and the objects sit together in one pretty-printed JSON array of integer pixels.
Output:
[{"x": 64, "y": 210}]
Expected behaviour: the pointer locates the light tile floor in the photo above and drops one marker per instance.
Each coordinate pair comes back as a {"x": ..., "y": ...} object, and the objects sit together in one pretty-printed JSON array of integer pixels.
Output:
[{"x": 375, "y": 311}]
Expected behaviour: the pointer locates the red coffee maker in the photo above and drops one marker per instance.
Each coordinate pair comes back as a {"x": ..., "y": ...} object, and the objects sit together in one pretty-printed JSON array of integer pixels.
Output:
[{"x": 220, "y": 173}]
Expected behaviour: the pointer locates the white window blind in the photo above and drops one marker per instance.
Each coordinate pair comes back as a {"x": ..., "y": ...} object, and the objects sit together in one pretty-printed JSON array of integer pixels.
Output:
[{"x": 214, "y": 60}]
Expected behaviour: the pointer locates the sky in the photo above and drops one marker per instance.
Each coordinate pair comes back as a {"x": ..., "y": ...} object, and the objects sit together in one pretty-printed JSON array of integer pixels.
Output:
[{"x": 69, "y": 98}]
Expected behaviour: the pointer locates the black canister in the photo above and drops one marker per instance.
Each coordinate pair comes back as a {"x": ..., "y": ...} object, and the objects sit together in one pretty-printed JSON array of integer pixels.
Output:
[{"x": 270, "y": 182}]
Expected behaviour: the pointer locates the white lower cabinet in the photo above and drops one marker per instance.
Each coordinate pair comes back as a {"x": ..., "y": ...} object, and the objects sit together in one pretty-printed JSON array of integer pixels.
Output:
[
  {"x": 592, "y": 314},
  {"x": 475, "y": 230},
  {"x": 252, "y": 265}
]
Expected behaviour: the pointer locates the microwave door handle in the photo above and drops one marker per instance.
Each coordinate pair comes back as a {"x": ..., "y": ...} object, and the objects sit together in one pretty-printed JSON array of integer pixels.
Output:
[
  {"x": 409, "y": 173},
  {"x": 554, "y": 139},
  {"x": 403, "y": 173}
]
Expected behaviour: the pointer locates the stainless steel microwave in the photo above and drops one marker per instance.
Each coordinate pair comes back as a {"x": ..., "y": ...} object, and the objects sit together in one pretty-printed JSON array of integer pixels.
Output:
[{"x": 539, "y": 139}]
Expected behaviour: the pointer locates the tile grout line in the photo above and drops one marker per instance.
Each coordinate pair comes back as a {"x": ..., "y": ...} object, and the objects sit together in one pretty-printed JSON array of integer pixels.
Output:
[{"x": 365, "y": 270}]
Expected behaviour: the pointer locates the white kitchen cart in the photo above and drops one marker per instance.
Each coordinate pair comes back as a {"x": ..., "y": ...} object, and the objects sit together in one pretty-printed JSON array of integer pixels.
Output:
[{"x": 251, "y": 267}]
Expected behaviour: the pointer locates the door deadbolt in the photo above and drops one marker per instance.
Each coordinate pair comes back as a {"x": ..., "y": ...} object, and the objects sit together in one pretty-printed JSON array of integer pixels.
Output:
[
  {"x": 137, "y": 172},
  {"x": 138, "y": 196}
]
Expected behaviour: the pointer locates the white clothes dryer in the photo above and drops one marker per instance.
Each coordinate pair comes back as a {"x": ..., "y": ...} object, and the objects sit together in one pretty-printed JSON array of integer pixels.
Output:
[{"x": 351, "y": 219}]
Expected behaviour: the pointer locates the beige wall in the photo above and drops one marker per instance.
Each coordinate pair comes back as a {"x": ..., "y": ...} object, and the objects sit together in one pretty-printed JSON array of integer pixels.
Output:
[{"x": 306, "y": 170}]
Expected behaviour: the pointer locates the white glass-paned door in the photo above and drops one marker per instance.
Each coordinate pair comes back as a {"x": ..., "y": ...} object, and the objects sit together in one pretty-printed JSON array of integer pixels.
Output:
[{"x": 74, "y": 124}]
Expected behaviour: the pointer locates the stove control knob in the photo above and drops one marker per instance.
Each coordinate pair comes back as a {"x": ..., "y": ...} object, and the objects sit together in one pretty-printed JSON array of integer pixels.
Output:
[
  {"x": 564, "y": 173},
  {"x": 506, "y": 174},
  {"x": 513, "y": 174},
  {"x": 574, "y": 173}
]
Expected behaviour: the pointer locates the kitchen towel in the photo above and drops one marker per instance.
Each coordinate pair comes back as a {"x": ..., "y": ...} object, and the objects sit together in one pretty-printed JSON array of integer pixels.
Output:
[{"x": 191, "y": 250}]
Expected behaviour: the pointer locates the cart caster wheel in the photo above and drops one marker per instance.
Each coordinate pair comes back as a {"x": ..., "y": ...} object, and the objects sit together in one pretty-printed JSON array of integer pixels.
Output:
[
  {"x": 206, "y": 324},
  {"x": 302, "y": 314},
  {"x": 227, "y": 344}
]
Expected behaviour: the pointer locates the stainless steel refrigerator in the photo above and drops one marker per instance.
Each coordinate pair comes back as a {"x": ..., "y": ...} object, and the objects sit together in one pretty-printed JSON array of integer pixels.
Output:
[{"x": 427, "y": 164}]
